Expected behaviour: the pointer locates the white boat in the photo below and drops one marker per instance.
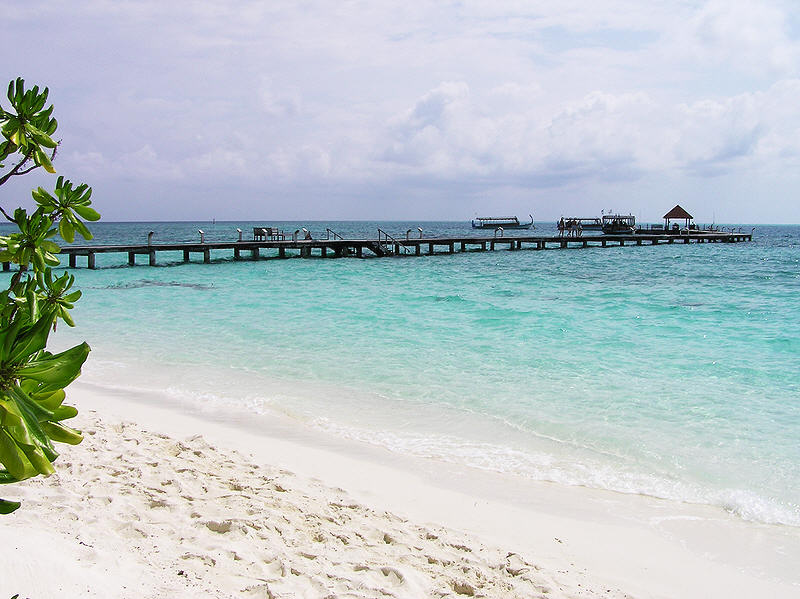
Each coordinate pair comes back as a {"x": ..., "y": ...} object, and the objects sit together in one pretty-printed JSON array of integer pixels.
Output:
[
  {"x": 588, "y": 223},
  {"x": 619, "y": 224}
]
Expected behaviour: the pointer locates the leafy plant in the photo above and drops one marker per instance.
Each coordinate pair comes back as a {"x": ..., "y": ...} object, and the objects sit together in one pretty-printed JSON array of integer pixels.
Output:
[{"x": 32, "y": 379}]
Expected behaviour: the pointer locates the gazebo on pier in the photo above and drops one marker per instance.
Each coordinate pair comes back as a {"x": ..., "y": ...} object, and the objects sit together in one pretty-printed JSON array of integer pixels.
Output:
[{"x": 677, "y": 213}]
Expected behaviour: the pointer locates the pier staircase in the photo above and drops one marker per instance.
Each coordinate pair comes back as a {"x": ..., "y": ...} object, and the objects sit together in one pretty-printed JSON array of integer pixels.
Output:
[{"x": 388, "y": 245}]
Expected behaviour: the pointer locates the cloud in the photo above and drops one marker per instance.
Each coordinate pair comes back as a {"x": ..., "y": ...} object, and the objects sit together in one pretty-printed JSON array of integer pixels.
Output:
[
  {"x": 430, "y": 133},
  {"x": 745, "y": 35},
  {"x": 278, "y": 103},
  {"x": 306, "y": 161},
  {"x": 142, "y": 163},
  {"x": 715, "y": 136},
  {"x": 449, "y": 132},
  {"x": 601, "y": 132}
]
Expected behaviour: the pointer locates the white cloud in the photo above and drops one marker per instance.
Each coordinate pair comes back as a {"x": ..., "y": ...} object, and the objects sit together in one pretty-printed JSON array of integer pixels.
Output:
[
  {"x": 145, "y": 162},
  {"x": 449, "y": 132},
  {"x": 219, "y": 162},
  {"x": 278, "y": 103},
  {"x": 305, "y": 162},
  {"x": 746, "y": 35}
]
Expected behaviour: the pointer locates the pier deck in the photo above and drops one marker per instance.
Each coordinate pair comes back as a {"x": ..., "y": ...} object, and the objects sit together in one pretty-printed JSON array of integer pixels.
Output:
[{"x": 386, "y": 245}]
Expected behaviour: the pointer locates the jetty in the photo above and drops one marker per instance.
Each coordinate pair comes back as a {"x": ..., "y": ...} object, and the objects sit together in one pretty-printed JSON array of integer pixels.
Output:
[{"x": 385, "y": 245}]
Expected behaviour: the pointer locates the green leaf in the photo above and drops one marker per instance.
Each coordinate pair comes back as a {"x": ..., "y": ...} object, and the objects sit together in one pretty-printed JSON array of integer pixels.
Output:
[
  {"x": 15, "y": 424},
  {"x": 13, "y": 458},
  {"x": 50, "y": 259},
  {"x": 66, "y": 230},
  {"x": 40, "y": 136},
  {"x": 40, "y": 439},
  {"x": 27, "y": 405},
  {"x": 18, "y": 138},
  {"x": 43, "y": 197},
  {"x": 51, "y": 400},
  {"x": 38, "y": 261},
  {"x": 7, "y": 338},
  {"x": 30, "y": 340},
  {"x": 87, "y": 213},
  {"x": 38, "y": 460},
  {"x": 7, "y": 478},
  {"x": 81, "y": 228},
  {"x": 66, "y": 316},
  {"x": 6, "y": 507},
  {"x": 43, "y": 159},
  {"x": 61, "y": 433},
  {"x": 49, "y": 246},
  {"x": 33, "y": 304},
  {"x": 63, "y": 413},
  {"x": 60, "y": 369}
]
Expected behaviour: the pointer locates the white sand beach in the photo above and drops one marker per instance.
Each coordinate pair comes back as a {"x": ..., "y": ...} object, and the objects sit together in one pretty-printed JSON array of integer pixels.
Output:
[{"x": 159, "y": 503}]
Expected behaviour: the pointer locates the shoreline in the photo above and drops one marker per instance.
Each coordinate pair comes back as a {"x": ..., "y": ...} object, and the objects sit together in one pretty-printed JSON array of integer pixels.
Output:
[
  {"x": 599, "y": 540},
  {"x": 398, "y": 427}
]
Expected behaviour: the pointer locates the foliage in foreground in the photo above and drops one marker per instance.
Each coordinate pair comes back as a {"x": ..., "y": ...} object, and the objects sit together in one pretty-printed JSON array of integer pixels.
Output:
[{"x": 32, "y": 379}]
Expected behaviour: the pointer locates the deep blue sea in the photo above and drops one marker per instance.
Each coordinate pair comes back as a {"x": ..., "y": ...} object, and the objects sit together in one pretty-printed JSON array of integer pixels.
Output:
[{"x": 671, "y": 371}]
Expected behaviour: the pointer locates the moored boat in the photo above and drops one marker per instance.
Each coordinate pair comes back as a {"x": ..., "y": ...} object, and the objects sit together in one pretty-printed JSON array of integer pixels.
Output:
[
  {"x": 506, "y": 222},
  {"x": 619, "y": 224},
  {"x": 584, "y": 223}
]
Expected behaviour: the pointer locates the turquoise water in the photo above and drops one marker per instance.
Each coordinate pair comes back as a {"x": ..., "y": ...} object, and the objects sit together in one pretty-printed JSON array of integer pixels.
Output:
[{"x": 672, "y": 371}]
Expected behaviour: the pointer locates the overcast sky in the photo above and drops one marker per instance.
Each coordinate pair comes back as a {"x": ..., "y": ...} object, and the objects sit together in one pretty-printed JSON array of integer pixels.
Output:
[{"x": 419, "y": 110}]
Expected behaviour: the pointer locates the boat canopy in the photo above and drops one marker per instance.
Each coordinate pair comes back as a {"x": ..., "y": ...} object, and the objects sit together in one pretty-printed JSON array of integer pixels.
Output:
[
  {"x": 498, "y": 220},
  {"x": 586, "y": 222},
  {"x": 621, "y": 219}
]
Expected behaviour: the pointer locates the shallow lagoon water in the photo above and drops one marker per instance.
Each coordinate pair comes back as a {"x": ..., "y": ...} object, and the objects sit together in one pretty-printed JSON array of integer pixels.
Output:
[{"x": 672, "y": 371}]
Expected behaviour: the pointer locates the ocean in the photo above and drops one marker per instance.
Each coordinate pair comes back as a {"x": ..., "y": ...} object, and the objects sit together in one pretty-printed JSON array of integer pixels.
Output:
[{"x": 670, "y": 371}]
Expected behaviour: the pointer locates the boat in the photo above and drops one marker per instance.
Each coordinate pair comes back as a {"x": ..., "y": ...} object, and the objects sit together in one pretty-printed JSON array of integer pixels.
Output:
[
  {"x": 619, "y": 224},
  {"x": 495, "y": 222},
  {"x": 583, "y": 223}
]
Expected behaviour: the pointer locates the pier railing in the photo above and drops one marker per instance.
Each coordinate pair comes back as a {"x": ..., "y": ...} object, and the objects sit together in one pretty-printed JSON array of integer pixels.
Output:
[
  {"x": 388, "y": 245},
  {"x": 391, "y": 245}
]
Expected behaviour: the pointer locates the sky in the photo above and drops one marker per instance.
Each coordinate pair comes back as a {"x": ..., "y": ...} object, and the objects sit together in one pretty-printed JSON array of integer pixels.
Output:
[{"x": 338, "y": 110}]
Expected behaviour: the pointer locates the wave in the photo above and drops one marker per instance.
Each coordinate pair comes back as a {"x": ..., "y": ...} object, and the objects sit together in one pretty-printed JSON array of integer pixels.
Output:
[{"x": 549, "y": 467}]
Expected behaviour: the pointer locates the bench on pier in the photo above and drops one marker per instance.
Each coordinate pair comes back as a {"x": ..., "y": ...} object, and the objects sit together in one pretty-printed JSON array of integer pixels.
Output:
[{"x": 267, "y": 233}]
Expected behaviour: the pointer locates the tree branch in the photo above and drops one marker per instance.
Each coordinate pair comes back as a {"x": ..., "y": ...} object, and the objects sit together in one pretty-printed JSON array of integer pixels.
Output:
[
  {"x": 8, "y": 218},
  {"x": 15, "y": 170},
  {"x": 27, "y": 170}
]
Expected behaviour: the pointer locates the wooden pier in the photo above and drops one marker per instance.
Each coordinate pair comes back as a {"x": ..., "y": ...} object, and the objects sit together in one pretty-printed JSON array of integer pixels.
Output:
[{"x": 386, "y": 245}]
